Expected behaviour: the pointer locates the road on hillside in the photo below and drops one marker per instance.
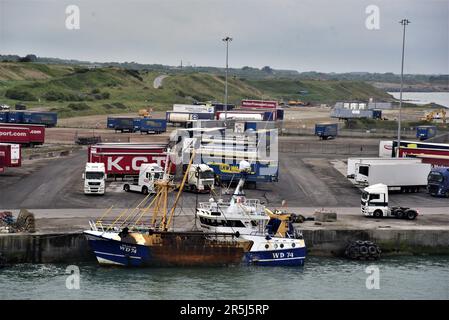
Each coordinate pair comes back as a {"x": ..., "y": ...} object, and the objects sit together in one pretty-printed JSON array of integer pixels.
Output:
[{"x": 158, "y": 81}]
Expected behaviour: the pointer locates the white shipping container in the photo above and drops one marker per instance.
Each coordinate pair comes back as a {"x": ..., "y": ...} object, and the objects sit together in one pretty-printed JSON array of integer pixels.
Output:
[
  {"x": 394, "y": 174},
  {"x": 193, "y": 108}
]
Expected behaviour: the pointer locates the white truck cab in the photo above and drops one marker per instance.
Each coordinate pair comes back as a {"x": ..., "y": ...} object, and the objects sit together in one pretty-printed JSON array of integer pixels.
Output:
[
  {"x": 201, "y": 178},
  {"x": 375, "y": 204},
  {"x": 149, "y": 173},
  {"x": 94, "y": 178}
]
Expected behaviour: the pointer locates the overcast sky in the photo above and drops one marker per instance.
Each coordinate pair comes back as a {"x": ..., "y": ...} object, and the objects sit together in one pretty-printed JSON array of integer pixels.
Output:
[{"x": 304, "y": 35}]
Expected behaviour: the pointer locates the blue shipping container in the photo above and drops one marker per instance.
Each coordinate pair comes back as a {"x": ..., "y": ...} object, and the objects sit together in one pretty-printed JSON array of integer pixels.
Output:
[
  {"x": 48, "y": 119},
  {"x": 136, "y": 124},
  {"x": 153, "y": 125},
  {"x": 426, "y": 132},
  {"x": 326, "y": 130},
  {"x": 15, "y": 117},
  {"x": 4, "y": 116},
  {"x": 111, "y": 122}
]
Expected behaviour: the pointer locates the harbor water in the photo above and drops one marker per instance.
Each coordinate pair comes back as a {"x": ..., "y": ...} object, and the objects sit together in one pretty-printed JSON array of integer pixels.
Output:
[
  {"x": 398, "y": 278},
  {"x": 420, "y": 98}
]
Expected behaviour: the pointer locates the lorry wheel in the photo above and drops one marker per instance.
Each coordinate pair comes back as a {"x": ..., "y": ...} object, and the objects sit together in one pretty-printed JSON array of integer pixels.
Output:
[
  {"x": 400, "y": 214},
  {"x": 378, "y": 214},
  {"x": 126, "y": 187},
  {"x": 411, "y": 215},
  {"x": 145, "y": 190}
]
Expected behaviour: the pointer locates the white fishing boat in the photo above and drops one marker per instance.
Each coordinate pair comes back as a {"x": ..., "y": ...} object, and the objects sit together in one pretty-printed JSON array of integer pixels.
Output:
[{"x": 275, "y": 241}]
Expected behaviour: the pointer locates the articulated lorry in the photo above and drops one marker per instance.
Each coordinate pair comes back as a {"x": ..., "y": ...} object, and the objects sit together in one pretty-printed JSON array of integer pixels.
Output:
[
  {"x": 404, "y": 177},
  {"x": 94, "y": 177},
  {"x": 375, "y": 204},
  {"x": 438, "y": 182},
  {"x": 200, "y": 179}
]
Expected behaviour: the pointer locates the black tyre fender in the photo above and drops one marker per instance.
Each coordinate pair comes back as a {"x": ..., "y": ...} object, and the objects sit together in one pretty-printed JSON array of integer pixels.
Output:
[
  {"x": 372, "y": 250},
  {"x": 363, "y": 250},
  {"x": 145, "y": 190},
  {"x": 126, "y": 187}
]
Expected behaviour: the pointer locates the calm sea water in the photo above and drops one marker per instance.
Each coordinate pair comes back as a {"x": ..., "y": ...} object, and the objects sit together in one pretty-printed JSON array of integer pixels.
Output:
[
  {"x": 420, "y": 98},
  {"x": 321, "y": 278}
]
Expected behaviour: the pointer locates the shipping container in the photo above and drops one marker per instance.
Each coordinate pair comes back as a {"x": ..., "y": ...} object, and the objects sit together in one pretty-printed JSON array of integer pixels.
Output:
[
  {"x": 426, "y": 132},
  {"x": 10, "y": 155},
  {"x": 354, "y": 163},
  {"x": 4, "y": 116},
  {"x": 185, "y": 117},
  {"x": 343, "y": 113},
  {"x": 124, "y": 124},
  {"x": 193, "y": 108},
  {"x": 125, "y": 158},
  {"x": 110, "y": 124},
  {"x": 14, "y": 134},
  {"x": 136, "y": 124},
  {"x": 37, "y": 131},
  {"x": 15, "y": 117},
  {"x": 326, "y": 130},
  {"x": 49, "y": 119},
  {"x": 259, "y": 104},
  {"x": 153, "y": 125}
]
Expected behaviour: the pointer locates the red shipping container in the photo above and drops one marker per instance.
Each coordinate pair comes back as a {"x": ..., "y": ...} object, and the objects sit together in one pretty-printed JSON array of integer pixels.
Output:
[
  {"x": 37, "y": 131},
  {"x": 260, "y": 104},
  {"x": 10, "y": 155},
  {"x": 125, "y": 159},
  {"x": 14, "y": 134}
]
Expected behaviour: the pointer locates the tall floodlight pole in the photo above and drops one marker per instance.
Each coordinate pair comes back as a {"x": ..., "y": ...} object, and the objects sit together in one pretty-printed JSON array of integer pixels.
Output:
[
  {"x": 404, "y": 22},
  {"x": 227, "y": 40}
]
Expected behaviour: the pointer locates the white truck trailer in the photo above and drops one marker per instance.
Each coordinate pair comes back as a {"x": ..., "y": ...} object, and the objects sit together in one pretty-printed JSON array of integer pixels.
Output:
[
  {"x": 406, "y": 176},
  {"x": 375, "y": 204},
  {"x": 94, "y": 177},
  {"x": 354, "y": 163}
]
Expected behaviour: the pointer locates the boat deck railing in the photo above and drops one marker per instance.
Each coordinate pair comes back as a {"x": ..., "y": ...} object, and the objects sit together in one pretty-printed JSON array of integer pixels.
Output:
[{"x": 250, "y": 206}]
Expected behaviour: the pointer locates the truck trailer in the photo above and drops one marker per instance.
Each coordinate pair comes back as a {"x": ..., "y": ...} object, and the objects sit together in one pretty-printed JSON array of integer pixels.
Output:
[
  {"x": 404, "y": 177},
  {"x": 15, "y": 134},
  {"x": 153, "y": 125},
  {"x": 37, "y": 132},
  {"x": 326, "y": 130},
  {"x": 184, "y": 117},
  {"x": 48, "y": 119},
  {"x": 354, "y": 163},
  {"x": 122, "y": 159},
  {"x": 10, "y": 155}
]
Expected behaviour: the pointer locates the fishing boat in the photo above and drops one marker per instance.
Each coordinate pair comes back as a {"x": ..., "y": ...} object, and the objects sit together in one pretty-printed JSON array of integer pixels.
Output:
[
  {"x": 274, "y": 240},
  {"x": 129, "y": 241}
]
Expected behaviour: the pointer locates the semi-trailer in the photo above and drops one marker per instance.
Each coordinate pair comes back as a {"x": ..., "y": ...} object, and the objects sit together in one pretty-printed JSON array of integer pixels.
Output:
[
  {"x": 326, "y": 130},
  {"x": 36, "y": 132},
  {"x": 184, "y": 117},
  {"x": 122, "y": 159},
  {"x": 193, "y": 108},
  {"x": 342, "y": 113},
  {"x": 354, "y": 163},
  {"x": 15, "y": 134},
  {"x": 405, "y": 177},
  {"x": 153, "y": 125},
  {"x": 426, "y": 132},
  {"x": 49, "y": 119},
  {"x": 124, "y": 124},
  {"x": 260, "y": 104},
  {"x": 10, "y": 155}
]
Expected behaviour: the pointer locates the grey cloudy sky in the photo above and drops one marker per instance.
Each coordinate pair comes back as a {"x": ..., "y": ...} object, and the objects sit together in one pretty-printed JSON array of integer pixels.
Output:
[{"x": 304, "y": 35}]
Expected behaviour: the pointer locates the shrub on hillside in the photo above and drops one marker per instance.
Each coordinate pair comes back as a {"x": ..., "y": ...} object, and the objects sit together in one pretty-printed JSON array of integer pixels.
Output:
[
  {"x": 18, "y": 94},
  {"x": 79, "y": 106},
  {"x": 54, "y": 95},
  {"x": 105, "y": 95}
]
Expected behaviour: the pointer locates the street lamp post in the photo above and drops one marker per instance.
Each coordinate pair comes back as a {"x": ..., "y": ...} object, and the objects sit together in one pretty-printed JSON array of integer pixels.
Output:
[
  {"x": 227, "y": 40},
  {"x": 403, "y": 22}
]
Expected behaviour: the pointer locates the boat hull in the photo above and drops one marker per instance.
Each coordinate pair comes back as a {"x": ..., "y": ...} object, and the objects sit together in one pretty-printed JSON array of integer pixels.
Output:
[
  {"x": 167, "y": 250},
  {"x": 286, "y": 257}
]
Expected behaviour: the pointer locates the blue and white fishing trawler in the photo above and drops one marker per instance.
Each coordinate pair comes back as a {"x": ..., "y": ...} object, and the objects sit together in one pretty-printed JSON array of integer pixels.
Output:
[{"x": 275, "y": 242}]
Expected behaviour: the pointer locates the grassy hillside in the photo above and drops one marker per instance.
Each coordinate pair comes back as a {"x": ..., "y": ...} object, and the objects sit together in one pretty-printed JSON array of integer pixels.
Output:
[{"x": 75, "y": 90}]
